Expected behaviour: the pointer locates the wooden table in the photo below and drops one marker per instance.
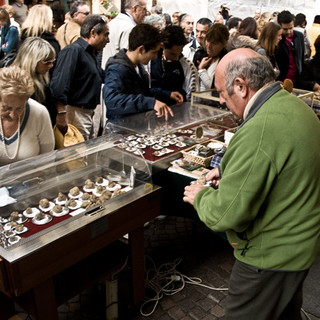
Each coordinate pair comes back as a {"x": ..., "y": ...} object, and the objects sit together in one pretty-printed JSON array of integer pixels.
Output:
[{"x": 46, "y": 278}]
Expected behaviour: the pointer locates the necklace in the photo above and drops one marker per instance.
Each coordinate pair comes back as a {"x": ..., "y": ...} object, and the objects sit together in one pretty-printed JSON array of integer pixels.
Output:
[{"x": 4, "y": 141}]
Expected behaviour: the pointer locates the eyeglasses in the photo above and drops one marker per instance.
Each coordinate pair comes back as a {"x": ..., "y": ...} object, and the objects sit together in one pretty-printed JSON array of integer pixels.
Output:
[
  {"x": 85, "y": 13},
  {"x": 143, "y": 8},
  {"x": 47, "y": 62}
]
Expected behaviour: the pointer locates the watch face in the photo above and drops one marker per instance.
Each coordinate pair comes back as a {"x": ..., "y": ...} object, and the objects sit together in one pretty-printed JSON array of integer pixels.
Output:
[{"x": 199, "y": 132}]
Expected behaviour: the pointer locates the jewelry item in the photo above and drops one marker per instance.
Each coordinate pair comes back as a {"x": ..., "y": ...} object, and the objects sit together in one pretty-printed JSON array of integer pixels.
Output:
[{"x": 4, "y": 141}]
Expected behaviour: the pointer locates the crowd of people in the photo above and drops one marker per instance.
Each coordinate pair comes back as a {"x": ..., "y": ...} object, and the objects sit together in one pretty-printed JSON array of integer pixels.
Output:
[
  {"x": 266, "y": 192},
  {"x": 92, "y": 69}
]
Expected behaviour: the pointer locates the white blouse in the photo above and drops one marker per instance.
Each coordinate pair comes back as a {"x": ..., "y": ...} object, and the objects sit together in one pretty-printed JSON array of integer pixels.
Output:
[
  {"x": 206, "y": 76},
  {"x": 36, "y": 135}
]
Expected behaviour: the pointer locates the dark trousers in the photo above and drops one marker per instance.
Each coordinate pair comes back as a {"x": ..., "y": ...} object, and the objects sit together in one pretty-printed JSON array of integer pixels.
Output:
[{"x": 256, "y": 294}]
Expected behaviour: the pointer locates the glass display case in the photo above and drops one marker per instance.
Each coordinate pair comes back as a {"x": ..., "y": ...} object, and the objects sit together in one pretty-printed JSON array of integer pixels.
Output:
[
  {"x": 50, "y": 196},
  {"x": 185, "y": 115},
  {"x": 160, "y": 141}
]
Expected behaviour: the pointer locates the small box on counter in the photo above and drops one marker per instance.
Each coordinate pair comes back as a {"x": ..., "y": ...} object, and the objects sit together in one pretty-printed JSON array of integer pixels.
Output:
[{"x": 203, "y": 153}]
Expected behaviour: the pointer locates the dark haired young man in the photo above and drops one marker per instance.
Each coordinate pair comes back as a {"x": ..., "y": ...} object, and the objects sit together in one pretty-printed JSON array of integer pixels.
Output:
[
  {"x": 126, "y": 90},
  {"x": 290, "y": 53},
  {"x": 171, "y": 72}
]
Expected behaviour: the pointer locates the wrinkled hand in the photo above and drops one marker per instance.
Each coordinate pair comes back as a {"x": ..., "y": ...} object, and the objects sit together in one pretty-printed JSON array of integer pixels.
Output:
[
  {"x": 162, "y": 109},
  {"x": 191, "y": 191},
  {"x": 214, "y": 177},
  {"x": 205, "y": 63},
  {"x": 176, "y": 96},
  {"x": 62, "y": 122}
]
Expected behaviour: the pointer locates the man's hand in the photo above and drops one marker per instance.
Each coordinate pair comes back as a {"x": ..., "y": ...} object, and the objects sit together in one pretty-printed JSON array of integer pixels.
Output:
[
  {"x": 62, "y": 118},
  {"x": 162, "y": 109},
  {"x": 191, "y": 191},
  {"x": 176, "y": 96},
  {"x": 214, "y": 177},
  {"x": 62, "y": 122}
]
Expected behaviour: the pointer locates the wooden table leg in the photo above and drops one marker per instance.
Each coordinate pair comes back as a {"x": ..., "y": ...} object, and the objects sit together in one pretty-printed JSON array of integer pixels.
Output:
[
  {"x": 45, "y": 301},
  {"x": 6, "y": 307},
  {"x": 137, "y": 261}
]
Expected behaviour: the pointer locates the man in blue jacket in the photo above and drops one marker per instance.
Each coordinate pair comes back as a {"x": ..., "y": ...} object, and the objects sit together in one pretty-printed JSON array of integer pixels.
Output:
[{"x": 126, "y": 90}]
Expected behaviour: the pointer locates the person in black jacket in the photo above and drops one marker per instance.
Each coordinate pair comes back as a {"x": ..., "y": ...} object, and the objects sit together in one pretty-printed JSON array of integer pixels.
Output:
[
  {"x": 126, "y": 89},
  {"x": 290, "y": 53},
  {"x": 310, "y": 77},
  {"x": 76, "y": 82}
]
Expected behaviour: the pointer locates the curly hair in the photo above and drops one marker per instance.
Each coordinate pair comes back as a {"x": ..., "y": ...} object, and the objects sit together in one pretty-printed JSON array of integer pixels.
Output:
[{"x": 15, "y": 81}]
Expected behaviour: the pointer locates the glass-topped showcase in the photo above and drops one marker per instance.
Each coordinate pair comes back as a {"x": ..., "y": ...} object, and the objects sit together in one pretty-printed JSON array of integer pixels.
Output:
[
  {"x": 160, "y": 141},
  {"x": 148, "y": 123},
  {"x": 51, "y": 195}
]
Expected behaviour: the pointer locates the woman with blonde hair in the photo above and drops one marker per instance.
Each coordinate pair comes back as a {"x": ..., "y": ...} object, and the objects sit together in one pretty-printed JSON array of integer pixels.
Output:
[
  {"x": 36, "y": 56},
  {"x": 39, "y": 23},
  {"x": 25, "y": 129},
  {"x": 268, "y": 41}
]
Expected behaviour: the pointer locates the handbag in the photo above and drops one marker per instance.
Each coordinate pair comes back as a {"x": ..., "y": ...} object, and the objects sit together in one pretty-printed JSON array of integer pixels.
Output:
[
  {"x": 8, "y": 59},
  {"x": 72, "y": 136}
]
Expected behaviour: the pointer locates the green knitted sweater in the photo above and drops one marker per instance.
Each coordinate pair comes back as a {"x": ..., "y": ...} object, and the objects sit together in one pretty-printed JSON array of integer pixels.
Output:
[{"x": 268, "y": 200}]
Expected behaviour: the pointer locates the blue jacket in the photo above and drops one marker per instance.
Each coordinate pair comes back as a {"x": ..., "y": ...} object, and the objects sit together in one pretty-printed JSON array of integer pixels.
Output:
[
  {"x": 125, "y": 92},
  {"x": 9, "y": 36}
]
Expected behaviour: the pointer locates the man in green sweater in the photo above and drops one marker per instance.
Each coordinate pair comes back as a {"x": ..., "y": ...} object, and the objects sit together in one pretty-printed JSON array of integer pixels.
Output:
[{"x": 266, "y": 194}]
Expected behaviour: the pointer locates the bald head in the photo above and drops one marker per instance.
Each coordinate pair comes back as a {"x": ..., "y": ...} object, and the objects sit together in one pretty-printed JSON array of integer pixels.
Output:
[
  {"x": 239, "y": 75},
  {"x": 240, "y": 54}
]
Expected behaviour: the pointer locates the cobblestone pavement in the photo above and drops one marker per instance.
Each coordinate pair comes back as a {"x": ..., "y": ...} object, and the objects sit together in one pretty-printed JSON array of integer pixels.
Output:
[{"x": 203, "y": 254}]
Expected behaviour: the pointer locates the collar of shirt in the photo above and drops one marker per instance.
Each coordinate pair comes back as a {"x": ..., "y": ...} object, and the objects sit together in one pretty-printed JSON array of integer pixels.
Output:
[
  {"x": 130, "y": 16},
  {"x": 85, "y": 45},
  {"x": 253, "y": 99}
]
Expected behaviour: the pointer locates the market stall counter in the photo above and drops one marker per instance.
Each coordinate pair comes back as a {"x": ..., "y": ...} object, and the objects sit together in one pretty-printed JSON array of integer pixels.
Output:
[
  {"x": 61, "y": 215},
  {"x": 162, "y": 142}
]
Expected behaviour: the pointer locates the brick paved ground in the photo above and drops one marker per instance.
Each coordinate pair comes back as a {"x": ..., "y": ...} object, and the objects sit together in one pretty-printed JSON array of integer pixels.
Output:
[{"x": 203, "y": 254}]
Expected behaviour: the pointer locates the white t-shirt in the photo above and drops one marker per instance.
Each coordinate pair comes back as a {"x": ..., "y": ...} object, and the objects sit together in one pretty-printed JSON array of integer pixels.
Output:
[{"x": 36, "y": 135}]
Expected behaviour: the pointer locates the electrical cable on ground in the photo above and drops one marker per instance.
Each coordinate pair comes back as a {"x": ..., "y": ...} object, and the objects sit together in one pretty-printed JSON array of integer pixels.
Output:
[{"x": 166, "y": 280}]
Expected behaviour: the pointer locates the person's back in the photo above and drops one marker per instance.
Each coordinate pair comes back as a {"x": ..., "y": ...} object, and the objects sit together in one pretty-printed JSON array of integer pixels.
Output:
[
  {"x": 121, "y": 26},
  {"x": 314, "y": 32},
  {"x": 300, "y": 23},
  {"x": 310, "y": 77},
  {"x": 20, "y": 11},
  {"x": 69, "y": 32},
  {"x": 39, "y": 24}
]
